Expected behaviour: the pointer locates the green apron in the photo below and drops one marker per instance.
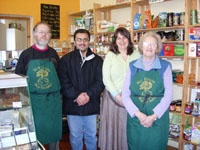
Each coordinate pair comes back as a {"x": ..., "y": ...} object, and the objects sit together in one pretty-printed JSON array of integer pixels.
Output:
[
  {"x": 147, "y": 90},
  {"x": 45, "y": 97}
]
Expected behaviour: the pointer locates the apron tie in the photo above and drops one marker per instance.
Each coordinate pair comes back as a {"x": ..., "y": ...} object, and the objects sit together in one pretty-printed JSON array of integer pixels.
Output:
[{"x": 146, "y": 97}]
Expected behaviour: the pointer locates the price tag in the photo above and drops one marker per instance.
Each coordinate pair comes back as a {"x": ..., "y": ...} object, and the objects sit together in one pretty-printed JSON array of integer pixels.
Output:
[{"x": 17, "y": 104}]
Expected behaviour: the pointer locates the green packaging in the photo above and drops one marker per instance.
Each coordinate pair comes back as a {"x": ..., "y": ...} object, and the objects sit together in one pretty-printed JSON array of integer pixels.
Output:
[{"x": 178, "y": 50}]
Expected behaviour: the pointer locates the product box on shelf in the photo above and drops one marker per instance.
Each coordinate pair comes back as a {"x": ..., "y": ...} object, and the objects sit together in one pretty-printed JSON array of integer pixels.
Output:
[
  {"x": 194, "y": 33},
  {"x": 168, "y": 49},
  {"x": 178, "y": 50},
  {"x": 195, "y": 134},
  {"x": 137, "y": 22},
  {"x": 192, "y": 49},
  {"x": 162, "y": 22},
  {"x": 198, "y": 50}
]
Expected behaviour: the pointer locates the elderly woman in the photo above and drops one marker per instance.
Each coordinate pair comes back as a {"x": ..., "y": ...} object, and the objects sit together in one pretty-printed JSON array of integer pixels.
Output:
[
  {"x": 146, "y": 94},
  {"x": 112, "y": 134}
]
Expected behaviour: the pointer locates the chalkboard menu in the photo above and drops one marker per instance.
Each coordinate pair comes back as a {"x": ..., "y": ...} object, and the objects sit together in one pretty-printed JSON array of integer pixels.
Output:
[{"x": 51, "y": 15}]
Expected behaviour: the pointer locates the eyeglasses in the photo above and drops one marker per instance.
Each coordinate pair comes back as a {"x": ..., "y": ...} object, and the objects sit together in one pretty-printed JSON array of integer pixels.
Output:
[
  {"x": 152, "y": 45},
  {"x": 84, "y": 40},
  {"x": 42, "y": 32}
]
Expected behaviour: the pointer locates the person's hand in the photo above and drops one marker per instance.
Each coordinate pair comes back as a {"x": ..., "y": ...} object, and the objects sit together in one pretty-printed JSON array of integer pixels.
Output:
[
  {"x": 141, "y": 116},
  {"x": 149, "y": 120},
  {"x": 82, "y": 99},
  {"x": 119, "y": 99}
]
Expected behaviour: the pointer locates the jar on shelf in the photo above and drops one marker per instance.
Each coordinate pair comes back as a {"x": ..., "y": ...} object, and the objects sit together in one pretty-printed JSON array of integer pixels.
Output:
[
  {"x": 188, "y": 108},
  {"x": 172, "y": 106},
  {"x": 178, "y": 106}
]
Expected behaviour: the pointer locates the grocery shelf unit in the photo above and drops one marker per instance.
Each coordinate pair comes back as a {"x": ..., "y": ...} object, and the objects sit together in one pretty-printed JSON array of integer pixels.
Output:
[
  {"x": 190, "y": 64},
  {"x": 71, "y": 21},
  {"x": 104, "y": 13}
]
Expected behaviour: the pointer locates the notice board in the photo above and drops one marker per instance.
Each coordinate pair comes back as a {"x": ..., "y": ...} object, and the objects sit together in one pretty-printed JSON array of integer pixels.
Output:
[{"x": 51, "y": 15}]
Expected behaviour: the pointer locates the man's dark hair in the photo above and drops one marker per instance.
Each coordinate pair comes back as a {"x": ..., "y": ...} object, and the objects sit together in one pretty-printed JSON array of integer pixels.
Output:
[
  {"x": 123, "y": 31},
  {"x": 39, "y": 23},
  {"x": 81, "y": 31}
]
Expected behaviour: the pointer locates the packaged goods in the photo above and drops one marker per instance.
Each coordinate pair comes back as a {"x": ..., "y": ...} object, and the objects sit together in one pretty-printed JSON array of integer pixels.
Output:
[
  {"x": 188, "y": 108},
  {"x": 161, "y": 53},
  {"x": 168, "y": 49},
  {"x": 195, "y": 134},
  {"x": 137, "y": 22},
  {"x": 148, "y": 20},
  {"x": 170, "y": 19},
  {"x": 194, "y": 33},
  {"x": 172, "y": 106},
  {"x": 178, "y": 106},
  {"x": 187, "y": 133},
  {"x": 176, "y": 19},
  {"x": 178, "y": 50},
  {"x": 162, "y": 19},
  {"x": 192, "y": 49},
  {"x": 182, "y": 18},
  {"x": 179, "y": 35},
  {"x": 193, "y": 17},
  {"x": 198, "y": 50},
  {"x": 155, "y": 22},
  {"x": 188, "y": 147}
]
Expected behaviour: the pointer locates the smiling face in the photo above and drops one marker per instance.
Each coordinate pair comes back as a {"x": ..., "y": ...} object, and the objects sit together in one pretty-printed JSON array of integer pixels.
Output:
[
  {"x": 122, "y": 42},
  {"x": 42, "y": 36},
  {"x": 149, "y": 47},
  {"x": 82, "y": 41}
]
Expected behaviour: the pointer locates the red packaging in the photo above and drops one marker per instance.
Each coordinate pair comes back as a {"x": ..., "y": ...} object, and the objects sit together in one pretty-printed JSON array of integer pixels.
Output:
[
  {"x": 198, "y": 50},
  {"x": 168, "y": 49}
]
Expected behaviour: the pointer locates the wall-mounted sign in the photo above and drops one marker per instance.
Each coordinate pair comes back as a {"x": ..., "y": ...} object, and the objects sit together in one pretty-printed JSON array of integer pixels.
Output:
[{"x": 51, "y": 15}]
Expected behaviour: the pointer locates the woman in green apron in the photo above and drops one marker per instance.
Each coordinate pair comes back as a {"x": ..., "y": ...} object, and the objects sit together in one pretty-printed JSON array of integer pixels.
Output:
[{"x": 147, "y": 94}]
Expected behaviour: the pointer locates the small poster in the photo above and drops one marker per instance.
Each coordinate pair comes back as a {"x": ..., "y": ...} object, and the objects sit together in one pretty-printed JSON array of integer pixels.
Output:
[{"x": 51, "y": 15}]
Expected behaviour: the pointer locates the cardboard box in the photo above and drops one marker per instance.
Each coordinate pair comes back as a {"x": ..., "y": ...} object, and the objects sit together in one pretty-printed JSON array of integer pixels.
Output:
[
  {"x": 178, "y": 50},
  {"x": 198, "y": 50},
  {"x": 192, "y": 49},
  {"x": 168, "y": 49},
  {"x": 194, "y": 33}
]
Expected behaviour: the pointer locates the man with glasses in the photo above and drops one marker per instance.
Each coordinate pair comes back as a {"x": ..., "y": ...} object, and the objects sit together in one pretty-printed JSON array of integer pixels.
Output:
[
  {"x": 81, "y": 74},
  {"x": 39, "y": 62}
]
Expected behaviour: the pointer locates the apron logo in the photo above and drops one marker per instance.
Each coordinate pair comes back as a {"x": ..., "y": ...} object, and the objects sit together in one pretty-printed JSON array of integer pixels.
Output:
[
  {"x": 145, "y": 86},
  {"x": 42, "y": 74}
]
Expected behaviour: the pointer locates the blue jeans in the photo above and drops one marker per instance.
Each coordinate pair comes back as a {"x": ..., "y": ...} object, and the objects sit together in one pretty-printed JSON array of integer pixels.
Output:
[{"x": 82, "y": 126}]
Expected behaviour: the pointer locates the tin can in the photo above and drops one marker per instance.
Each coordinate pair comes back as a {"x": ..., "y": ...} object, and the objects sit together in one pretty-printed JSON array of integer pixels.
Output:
[
  {"x": 182, "y": 18},
  {"x": 193, "y": 17},
  {"x": 170, "y": 19},
  {"x": 176, "y": 19}
]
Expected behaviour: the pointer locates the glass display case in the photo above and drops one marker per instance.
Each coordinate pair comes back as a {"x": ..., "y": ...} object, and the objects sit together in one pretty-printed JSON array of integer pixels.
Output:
[{"x": 17, "y": 130}]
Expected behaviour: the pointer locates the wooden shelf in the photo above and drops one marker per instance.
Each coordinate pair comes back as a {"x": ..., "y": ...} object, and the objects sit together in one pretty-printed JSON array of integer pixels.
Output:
[
  {"x": 144, "y": 2},
  {"x": 189, "y": 142},
  {"x": 172, "y": 57},
  {"x": 174, "y": 112},
  {"x": 194, "y": 41},
  {"x": 160, "y": 29},
  {"x": 194, "y": 26},
  {"x": 80, "y": 13},
  {"x": 104, "y": 43},
  {"x": 112, "y": 7},
  {"x": 190, "y": 115},
  {"x": 178, "y": 84},
  {"x": 174, "y": 139},
  {"x": 192, "y": 86},
  {"x": 111, "y": 32},
  {"x": 189, "y": 57},
  {"x": 173, "y": 42}
]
